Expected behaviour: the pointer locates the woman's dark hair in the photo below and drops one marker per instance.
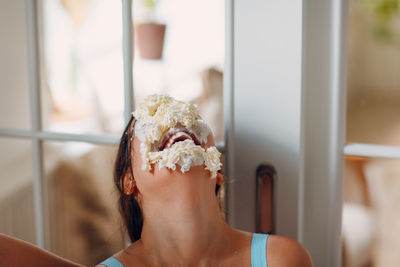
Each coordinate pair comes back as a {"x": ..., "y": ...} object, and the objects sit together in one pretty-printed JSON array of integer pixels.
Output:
[{"x": 128, "y": 206}]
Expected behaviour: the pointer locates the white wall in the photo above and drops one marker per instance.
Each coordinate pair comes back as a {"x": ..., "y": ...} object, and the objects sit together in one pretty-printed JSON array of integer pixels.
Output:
[
  {"x": 14, "y": 80},
  {"x": 267, "y": 108},
  {"x": 14, "y": 84}
]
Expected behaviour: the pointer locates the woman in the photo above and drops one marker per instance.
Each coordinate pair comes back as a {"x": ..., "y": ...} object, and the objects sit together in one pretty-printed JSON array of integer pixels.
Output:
[
  {"x": 173, "y": 217},
  {"x": 167, "y": 179}
]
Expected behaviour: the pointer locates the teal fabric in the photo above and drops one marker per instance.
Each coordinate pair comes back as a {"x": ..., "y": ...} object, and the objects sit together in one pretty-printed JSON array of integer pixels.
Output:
[
  {"x": 112, "y": 262},
  {"x": 258, "y": 253},
  {"x": 258, "y": 250}
]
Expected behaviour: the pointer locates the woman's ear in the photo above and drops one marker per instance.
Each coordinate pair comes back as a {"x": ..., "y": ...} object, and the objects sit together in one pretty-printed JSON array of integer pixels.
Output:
[
  {"x": 220, "y": 178},
  {"x": 129, "y": 184}
]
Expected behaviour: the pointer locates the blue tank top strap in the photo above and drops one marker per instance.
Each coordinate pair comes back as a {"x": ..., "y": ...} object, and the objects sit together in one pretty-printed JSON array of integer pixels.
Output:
[
  {"x": 112, "y": 262},
  {"x": 258, "y": 250}
]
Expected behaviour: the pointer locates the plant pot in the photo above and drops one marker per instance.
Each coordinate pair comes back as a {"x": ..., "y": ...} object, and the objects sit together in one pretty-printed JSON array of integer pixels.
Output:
[{"x": 150, "y": 40}]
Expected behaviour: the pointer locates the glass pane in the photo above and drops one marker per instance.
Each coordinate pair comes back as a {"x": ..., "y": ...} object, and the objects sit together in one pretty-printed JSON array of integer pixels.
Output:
[
  {"x": 82, "y": 85},
  {"x": 190, "y": 66},
  {"x": 371, "y": 212},
  {"x": 373, "y": 100},
  {"x": 16, "y": 189},
  {"x": 83, "y": 218},
  {"x": 14, "y": 77}
]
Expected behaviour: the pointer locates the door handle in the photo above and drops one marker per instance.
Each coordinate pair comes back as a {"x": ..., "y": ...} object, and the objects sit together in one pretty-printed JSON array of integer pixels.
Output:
[{"x": 265, "y": 198}]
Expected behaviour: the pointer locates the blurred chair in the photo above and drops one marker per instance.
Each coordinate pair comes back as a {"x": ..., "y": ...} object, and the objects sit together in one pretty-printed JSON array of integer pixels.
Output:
[
  {"x": 383, "y": 176},
  {"x": 211, "y": 101},
  {"x": 358, "y": 228},
  {"x": 83, "y": 223}
]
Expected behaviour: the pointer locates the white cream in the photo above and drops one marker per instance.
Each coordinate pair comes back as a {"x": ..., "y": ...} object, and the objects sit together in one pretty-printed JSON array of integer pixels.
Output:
[
  {"x": 158, "y": 115},
  {"x": 187, "y": 154}
]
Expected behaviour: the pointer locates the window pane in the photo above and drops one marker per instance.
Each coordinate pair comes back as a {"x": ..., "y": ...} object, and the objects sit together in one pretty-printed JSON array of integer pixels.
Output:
[
  {"x": 14, "y": 78},
  {"x": 16, "y": 189},
  {"x": 191, "y": 65},
  {"x": 82, "y": 86},
  {"x": 373, "y": 107},
  {"x": 83, "y": 218},
  {"x": 371, "y": 211}
]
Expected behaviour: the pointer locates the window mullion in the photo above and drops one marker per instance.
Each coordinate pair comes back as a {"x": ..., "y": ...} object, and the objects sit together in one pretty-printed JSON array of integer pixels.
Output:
[
  {"x": 127, "y": 46},
  {"x": 16, "y": 133},
  {"x": 101, "y": 139},
  {"x": 372, "y": 150},
  {"x": 228, "y": 113},
  {"x": 34, "y": 84}
]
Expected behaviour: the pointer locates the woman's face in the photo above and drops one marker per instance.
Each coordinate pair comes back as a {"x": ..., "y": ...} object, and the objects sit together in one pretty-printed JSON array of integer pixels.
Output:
[{"x": 166, "y": 182}]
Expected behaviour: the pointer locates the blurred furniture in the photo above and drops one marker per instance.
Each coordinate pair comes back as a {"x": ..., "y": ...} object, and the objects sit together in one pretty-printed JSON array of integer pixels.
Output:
[
  {"x": 358, "y": 229},
  {"x": 211, "y": 101},
  {"x": 371, "y": 213},
  {"x": 358, "y": 235},
  {"x": 82, "y": 220},
  {"x": 383, "y": 176}
]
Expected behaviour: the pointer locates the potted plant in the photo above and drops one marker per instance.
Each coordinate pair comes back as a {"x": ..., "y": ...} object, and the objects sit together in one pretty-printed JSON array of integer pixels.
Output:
[{"x": 150, "y": 33}]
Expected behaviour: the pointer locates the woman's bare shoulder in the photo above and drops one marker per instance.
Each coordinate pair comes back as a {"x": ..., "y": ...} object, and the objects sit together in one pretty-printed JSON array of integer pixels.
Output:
[
  {"x": 284, "y": 251},
  {"x": 16, "y": 252}
]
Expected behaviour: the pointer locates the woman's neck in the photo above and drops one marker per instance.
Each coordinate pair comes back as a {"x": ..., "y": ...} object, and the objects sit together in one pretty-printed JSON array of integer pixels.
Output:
[{"x": 185, "y": 229}]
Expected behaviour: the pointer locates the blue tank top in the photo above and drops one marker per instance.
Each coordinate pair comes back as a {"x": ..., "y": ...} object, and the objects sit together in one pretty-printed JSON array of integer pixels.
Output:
[{"x": 258, "y": 253}]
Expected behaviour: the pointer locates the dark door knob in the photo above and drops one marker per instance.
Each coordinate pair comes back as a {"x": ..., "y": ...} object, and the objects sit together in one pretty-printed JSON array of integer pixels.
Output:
[{"x": 265, "y": 198}]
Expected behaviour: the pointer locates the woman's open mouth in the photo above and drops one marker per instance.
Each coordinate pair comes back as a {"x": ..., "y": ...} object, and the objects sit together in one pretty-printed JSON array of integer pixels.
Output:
[{"x": 176, "y": 135}]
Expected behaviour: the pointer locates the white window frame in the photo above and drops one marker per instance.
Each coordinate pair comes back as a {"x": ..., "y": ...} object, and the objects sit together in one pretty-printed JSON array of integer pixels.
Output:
[
  {"x": 324, "y": 107},
  {"x": 37, "y": 135},
  {"x": 310, "y": 175},
  {"x": 272, "y": 51}
]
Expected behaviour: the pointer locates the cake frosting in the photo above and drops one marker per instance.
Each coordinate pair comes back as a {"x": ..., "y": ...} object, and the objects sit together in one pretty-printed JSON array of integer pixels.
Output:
[{"x": 171, "y": 133}]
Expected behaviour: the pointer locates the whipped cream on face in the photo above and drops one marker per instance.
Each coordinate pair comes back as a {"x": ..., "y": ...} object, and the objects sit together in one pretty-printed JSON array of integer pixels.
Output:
[
  {"x": 159, "y": 115},
  {"x": 187, "y": 154}
]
